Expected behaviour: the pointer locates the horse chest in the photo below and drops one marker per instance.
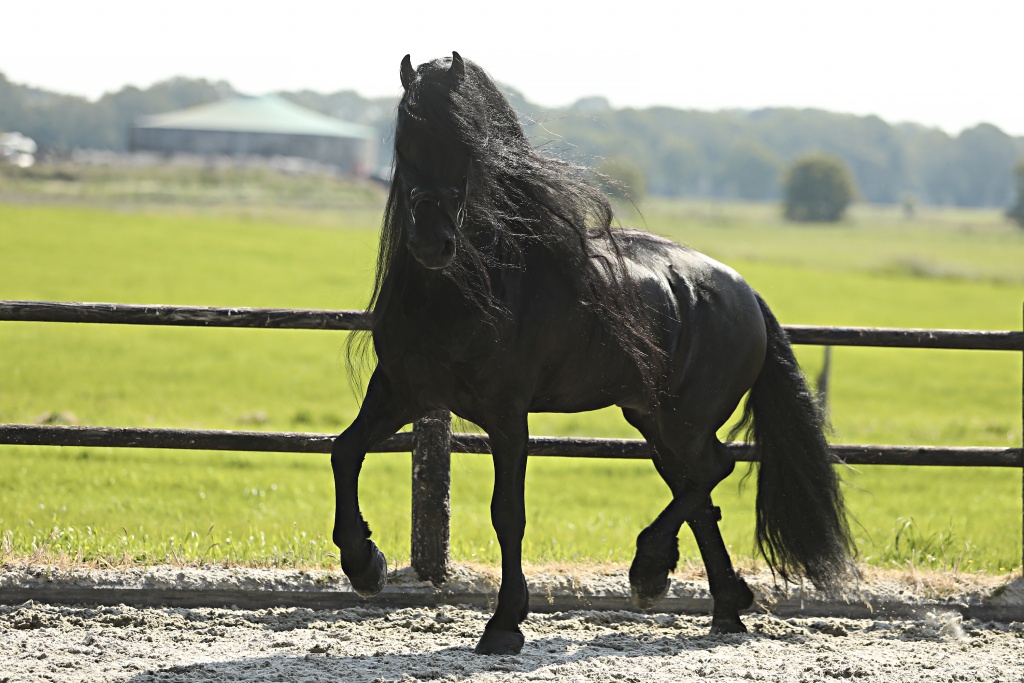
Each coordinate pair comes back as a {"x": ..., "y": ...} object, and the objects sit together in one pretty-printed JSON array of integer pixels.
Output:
[{"x": 437, "y": 365}]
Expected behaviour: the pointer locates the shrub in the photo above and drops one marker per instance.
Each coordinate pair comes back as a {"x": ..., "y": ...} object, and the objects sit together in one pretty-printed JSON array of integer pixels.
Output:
[{"x": 817, "y": 188}]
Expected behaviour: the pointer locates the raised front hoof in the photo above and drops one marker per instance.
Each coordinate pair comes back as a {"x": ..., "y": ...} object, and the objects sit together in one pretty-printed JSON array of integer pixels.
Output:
[
  {"x": 495, "y": 642},
  {"x": 721, "y": 625},
  {"x": 370, "y": 580}
]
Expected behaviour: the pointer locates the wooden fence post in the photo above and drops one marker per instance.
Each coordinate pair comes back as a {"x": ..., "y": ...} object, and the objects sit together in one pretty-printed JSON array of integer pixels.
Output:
[
  {"x": 824, "y": 382},
  {"x": 431, "y": 500}
]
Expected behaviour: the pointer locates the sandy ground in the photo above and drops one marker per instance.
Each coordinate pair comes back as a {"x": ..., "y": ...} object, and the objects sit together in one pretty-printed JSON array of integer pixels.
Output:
[{"x": 931, "y": 642}]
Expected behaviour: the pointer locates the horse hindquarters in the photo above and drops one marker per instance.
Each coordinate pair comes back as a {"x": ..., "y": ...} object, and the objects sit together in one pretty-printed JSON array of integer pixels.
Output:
[{"x": 801, "y": 521}]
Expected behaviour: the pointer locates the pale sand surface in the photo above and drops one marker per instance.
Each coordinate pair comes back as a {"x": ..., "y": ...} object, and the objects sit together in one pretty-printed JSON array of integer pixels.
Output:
[{"x": 930, "y": 642}]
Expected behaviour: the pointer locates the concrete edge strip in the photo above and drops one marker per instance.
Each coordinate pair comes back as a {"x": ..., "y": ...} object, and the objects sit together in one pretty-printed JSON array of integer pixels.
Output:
[{"x": 397, "y": 597}]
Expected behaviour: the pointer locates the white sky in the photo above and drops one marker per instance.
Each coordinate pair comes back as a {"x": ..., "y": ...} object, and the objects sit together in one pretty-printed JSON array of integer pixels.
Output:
[{"x": 942, "y": 63}]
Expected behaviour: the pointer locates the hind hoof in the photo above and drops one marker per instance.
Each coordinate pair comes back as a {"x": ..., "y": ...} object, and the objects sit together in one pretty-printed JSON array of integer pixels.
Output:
[
  {"x": 729, "y": 603},
  {"x": 648, "y": 591},
  {"x": 500, "y": 643},
  {"x": 648, "y": 584},
  {"x": 656, "y": 556},
  {"x": 722, "y": 625},
  {"x": 646, "y": 598},
  {"x": 371, "y": 580}
]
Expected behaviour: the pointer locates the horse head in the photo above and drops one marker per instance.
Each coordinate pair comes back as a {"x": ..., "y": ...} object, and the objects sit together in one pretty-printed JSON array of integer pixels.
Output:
[{"x": 431, "y": 171}]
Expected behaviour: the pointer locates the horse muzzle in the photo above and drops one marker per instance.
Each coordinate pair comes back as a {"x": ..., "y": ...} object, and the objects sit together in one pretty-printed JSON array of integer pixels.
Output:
[
  {"x": 432, "y": 227},
  {"x": 434, "y": 254}
]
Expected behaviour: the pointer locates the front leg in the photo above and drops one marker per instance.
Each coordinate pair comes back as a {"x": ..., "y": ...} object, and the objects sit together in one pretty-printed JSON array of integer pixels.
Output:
[
  {"x": 380, "y": 416},
  {"x": 502, "y": 635}
]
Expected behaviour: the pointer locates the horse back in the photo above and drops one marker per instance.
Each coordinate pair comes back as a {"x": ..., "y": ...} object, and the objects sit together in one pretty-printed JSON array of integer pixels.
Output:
[{"x": 548, "y": 351}]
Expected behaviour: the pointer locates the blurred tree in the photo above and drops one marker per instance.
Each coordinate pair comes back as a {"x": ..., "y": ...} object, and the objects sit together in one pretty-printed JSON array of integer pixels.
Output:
[
  {"x": 678, "y": 169},
  {"x": 818, "y": 187},
  {"x": 727, "y": 154},
  {"x": 873, "y": 150},
  {"x": 1016, "y": 212},
  {"x": 983, "y": 159},
  {"x": 749, "y": 171},
  {"x": 622, "y": 178}
]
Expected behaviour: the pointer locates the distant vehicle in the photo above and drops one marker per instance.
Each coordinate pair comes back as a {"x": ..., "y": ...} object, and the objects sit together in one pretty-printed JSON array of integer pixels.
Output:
[{"x": 17, "y": 149}]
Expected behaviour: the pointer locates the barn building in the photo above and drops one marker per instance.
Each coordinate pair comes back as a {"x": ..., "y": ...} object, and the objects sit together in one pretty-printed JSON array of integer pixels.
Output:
[{"x": 258, "y": 126}]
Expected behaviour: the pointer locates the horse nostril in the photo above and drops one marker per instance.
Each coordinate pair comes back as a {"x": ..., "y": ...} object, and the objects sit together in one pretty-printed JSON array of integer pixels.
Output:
[{"x": 448, "y": 249}]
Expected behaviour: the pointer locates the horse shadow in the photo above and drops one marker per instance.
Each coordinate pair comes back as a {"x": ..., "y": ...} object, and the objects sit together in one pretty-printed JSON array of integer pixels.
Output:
[
  {"x": 322, "y": 663},
  {"x": 327, "y": 659}
]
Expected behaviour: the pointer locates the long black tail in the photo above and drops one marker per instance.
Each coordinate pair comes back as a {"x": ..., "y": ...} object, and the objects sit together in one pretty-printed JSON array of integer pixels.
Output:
[{"x": 801, "y": 520}]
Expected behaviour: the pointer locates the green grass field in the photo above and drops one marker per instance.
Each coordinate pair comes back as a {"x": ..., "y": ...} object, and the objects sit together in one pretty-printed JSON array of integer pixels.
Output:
[{"x": 949, "y": 269}]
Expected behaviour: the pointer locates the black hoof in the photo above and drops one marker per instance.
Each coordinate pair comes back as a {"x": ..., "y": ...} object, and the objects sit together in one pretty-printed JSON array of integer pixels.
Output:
[
  {"x": 648, "y": 585},
  {"x": 648, "y": 595},
  {"x": 371, "y": 580},
  {"x": 495, "y": 642},
  {"x": 726, "y": 615},
  {"x": 656, "y": 556},
  {"x": 721, "y": 625}
]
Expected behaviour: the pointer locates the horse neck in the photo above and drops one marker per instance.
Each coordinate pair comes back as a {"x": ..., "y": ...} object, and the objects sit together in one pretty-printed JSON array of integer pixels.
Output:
[
  {"x": 432, "y": 300},
  {"x": 410, "y": 290}
]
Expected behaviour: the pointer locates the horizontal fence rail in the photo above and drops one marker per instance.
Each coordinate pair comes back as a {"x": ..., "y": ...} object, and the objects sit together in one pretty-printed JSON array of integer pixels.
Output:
[
  {"x": 186, "y": 316},
  {"x": 320, "y": 319},
  {"x": 571, "y": 447},
  {"x": 430, "y": 442},
  {"x": 907, "y": 338}
]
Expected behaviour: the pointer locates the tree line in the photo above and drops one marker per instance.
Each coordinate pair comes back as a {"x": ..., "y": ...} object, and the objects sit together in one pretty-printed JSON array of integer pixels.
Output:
[{"x": 666, "y": 151}]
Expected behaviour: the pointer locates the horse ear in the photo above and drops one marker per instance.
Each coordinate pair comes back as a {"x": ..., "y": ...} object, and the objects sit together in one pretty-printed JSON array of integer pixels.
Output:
[
  {"x": 408, "y": 73},
  {"x": 457, "y": 70}
]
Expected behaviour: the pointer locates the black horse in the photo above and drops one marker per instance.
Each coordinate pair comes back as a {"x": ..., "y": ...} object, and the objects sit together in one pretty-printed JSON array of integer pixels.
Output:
[{"x": 493, "y": 298}]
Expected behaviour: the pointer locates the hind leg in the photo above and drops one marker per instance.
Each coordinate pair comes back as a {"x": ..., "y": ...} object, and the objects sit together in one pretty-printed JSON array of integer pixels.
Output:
[
  {"x": 657, "y": 546},
  {"x": 657, "y": 554},
  {"x": 692, "y": 466},
  {"x": 730, "y": 592}
]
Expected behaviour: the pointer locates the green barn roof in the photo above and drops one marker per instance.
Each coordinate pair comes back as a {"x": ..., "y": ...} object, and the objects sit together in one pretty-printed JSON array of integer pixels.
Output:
[{"x": 266, "y": 114}]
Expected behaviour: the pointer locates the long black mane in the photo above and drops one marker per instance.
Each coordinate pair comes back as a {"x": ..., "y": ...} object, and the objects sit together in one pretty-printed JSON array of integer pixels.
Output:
[{"x": 516, "y": 197}]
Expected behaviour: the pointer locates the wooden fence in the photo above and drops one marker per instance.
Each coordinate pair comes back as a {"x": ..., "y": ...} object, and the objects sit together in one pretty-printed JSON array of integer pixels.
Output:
[{"x": 431, "y": 442}]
